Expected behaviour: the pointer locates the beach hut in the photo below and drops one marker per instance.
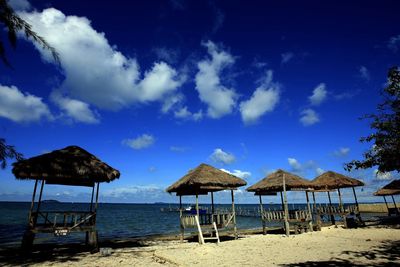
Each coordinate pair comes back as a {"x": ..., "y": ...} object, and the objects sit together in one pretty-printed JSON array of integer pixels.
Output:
[
  {"x": 72, "y": 166},
  {"x": 203, "y": 180},
  {"x": 282, "y": 181},
  {"x": 328, "y": 182},
  {"x": 391, "y": 189}
]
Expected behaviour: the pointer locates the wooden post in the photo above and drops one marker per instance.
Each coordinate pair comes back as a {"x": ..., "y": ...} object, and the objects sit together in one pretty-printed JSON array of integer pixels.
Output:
[
  {"x": 197, "y": 205},
  {"x": 316, "y": 213},
  {"x": 387, "y": 207},
  {"x": 234, "y": 215},
  {"x": 330, "y": 204},
  {"x": 341, "y": 208},
  {"x": 212, "y": 202},
  {"x": 310, "y": 226},
  {"x": 287, "y": 230},
  {"x": 91, "y": 200},
  {"x": 29, "y": 236},
  {"x": 180, "y": 219},
  {"x": 97, "y": 198},
  {"x": 357, "y": 206},
  {"x": 262, "y": 217},
  {"x": 395, "y": 206},
  {"x": 39, "y": 202},
  {"x": 33, "y": 202}
]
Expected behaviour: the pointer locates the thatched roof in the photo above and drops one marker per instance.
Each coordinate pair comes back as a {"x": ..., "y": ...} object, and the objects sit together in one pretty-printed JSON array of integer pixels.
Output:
[
  {"x": 333, "y": 180},
  {"x": 204, "y": 179},
  {"x": 274, "y": 183},
  {"x": 68, "y": 166},
  {"x": 392, "y": 188}
]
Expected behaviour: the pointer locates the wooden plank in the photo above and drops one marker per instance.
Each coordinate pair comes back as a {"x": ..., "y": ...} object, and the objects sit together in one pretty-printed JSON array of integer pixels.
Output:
[{"x": 201, "y": 239}]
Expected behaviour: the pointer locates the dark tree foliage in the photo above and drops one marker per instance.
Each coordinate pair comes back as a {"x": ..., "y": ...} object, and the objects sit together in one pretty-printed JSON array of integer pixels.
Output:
[
  {"x": 385, "y": 153},
  {"x": 7, "y": 152},
  {"x": 13, "y": 23}
]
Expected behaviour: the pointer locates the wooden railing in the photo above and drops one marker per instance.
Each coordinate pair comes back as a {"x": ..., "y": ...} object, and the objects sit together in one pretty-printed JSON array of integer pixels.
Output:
[
  {"x": 279, "y": 215},
  {"x": 62, "y": 222},
  {"x": 221, "y": 219},
  {"x": 336, "y": 210}
]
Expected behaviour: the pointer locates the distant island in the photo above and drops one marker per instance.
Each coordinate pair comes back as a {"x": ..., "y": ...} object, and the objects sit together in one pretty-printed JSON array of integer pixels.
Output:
[{"x": 50, "y": 201}]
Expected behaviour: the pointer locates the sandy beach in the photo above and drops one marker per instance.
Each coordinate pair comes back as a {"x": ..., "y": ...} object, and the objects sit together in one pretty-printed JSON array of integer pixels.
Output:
[{"x": 370, "y": 246}]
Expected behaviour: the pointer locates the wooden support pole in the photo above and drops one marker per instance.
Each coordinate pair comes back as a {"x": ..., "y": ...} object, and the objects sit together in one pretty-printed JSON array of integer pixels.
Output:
[
  {"x": 357, "y": 206},
  {"x": 395, "y": 206},
  {"x": 97, "y": 198},
  {"x": 310, "y": 226},
  {"x": 32, "y": 203},
  {"x": 341, "y": 208},
  {"x": 39, "y": 201},
  {"x": 387, "y": 207},
  {"x": 316, "y": 213},
  {"x": 180, "y": 220},
  {"x": 330, "y": 205},
  {"x": 287, "y": 230},
  {"x": 197, "y": 205},
  {"x": 234, "y": 215},
  {"x": 261, "y": 215},
  {"x": 212, "y": 202},
  {"x": 91, "y": 200},
  {"x": 283, "y": 206}
]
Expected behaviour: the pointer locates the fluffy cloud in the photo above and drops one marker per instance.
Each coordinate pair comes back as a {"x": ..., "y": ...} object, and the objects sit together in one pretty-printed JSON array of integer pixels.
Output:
[
  {"x": 286, "y": 57},
  {"x": 77, "y": 110},
  {"x": 364, "y": 73},
  {"x": 220, "y": 156},
  {"x": 20, "y": 107},
  {"x": 238, "y": 173},
  {"x": 383, "y": 175},
  {"x": 294, "y": 164},
  {"x": 302, "y": 169},
  {"x": 394, "y": 43},
  {"x": 220, "y": 99},
  {"x": 141, "y": 142},
  {"x": 341, "y": 152},
  {"x": 319, "y": 171},
  {"x": 309, "y": 117},
  {"x": 95, "y": 72},
  {"x": 264, "y": 99},
  {"x": 319, "y": 95},
  {"x": 184, "y": 113},
  {"x": 19, "y": 5}
]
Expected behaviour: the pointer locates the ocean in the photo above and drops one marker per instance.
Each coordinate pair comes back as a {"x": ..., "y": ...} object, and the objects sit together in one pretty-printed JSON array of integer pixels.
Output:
[{"x": 114, "y": 221}]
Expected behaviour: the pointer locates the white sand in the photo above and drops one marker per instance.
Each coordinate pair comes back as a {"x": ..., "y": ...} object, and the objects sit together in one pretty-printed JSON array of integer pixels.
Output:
[{"x": 367, "y": 246}]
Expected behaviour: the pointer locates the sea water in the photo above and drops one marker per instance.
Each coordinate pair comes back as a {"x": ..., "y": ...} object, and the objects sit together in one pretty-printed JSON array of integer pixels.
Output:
[{"x": 115, "y": 221}]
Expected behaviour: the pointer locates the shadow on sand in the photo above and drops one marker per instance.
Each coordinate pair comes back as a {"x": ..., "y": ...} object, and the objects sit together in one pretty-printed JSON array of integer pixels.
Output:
[{"x": 388, "y": 252}]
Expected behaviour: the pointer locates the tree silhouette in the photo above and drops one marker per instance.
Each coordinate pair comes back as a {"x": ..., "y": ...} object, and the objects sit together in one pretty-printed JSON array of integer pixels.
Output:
[
  {"x": 7, "y": 151},
  {"x": 13, "y": 24},
  {"x": 385, "y": 152}
]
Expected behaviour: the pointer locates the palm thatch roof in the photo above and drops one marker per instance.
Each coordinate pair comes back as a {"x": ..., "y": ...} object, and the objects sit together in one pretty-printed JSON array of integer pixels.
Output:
[
  {"x": 204, "y": 179},
  {"x": 274, "y": 183},
  {"x": 68, "y": 166},
  {"x": 333, "y": 180},
  {"x": 392, "y": 188}
]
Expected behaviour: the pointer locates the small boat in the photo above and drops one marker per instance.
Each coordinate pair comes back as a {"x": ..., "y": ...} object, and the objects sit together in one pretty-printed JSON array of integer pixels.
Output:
[{"x": 192, "y": 210}]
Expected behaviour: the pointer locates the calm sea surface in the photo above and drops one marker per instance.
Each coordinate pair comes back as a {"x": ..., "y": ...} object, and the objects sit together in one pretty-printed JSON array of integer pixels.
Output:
[{"x": 114, "y": 221}]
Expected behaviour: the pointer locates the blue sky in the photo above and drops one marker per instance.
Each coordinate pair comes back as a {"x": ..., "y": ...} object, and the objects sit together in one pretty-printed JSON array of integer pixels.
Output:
[{"x": 155, "y": 88}]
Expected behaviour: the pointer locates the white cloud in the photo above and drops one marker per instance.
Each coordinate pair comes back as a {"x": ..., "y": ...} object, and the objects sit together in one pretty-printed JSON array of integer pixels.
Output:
[
  {"x": 238, "y": 173},
  {"x": 141, "y": 142},
  {"x": 341, "y": 152},
  {"x": 319, "y": 171},
  {"x": 22, "y": 107},
  {"x": 364, "y": 73},
  {"x": 383, "y": 175},
  {"x": 286, "y": 57},
  {"x": 220, "y": 99},
  {"x": 264, "y": 99},
  {"x": 294, "y": 164},
  {"x": 184, "y": 113},
  {"x": 394, "y": 43},
  {"x": 220, "y": 156},
  {"x": 170, "y": 102},
  {"x": 77, "y": 110},
  {"x": 19, "y": 5},
  {"x": 319, "y": 95},
  {"x": 309, "y": 117},
  {"x": 96, "y": 72}
]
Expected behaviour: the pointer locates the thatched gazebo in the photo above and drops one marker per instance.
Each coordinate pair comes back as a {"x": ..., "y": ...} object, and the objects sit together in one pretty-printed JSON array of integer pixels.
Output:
[
  {"x": 282, "y": 181},
  {"x": 68, "y": 166},
  {"x": 330, "y": 181},
  {"x": 201, "y": 181},
  {"x": 391, "y": 189}
]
